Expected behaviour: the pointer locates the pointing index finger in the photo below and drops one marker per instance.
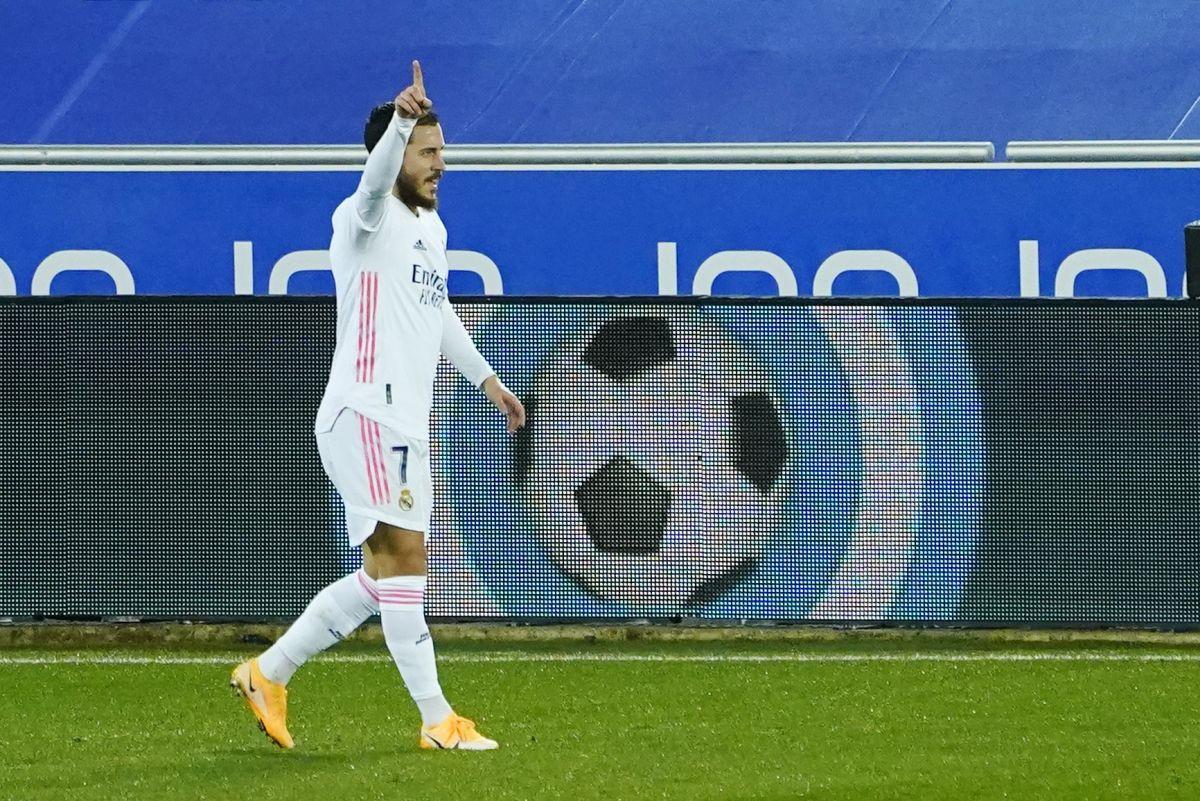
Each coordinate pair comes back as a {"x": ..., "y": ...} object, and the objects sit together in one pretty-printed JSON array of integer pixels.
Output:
[{"x": 418, "y": 78}]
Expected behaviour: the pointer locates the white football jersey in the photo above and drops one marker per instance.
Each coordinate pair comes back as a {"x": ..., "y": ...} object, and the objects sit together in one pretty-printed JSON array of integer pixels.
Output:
[{"x": 393, "y": 315}]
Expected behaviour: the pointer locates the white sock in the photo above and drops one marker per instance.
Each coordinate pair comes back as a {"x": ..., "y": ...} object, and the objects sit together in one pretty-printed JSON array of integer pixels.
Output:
[
  {"x": 402, "y": 609},
  {"x": 337, "y": 610}
]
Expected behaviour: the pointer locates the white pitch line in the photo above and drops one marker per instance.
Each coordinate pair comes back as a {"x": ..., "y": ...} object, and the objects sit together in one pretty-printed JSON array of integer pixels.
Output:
[{"x": 999, "y": 656}]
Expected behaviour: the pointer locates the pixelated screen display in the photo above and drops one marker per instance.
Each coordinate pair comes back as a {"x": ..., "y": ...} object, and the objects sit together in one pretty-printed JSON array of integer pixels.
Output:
[{"x": 941, "y": 462}]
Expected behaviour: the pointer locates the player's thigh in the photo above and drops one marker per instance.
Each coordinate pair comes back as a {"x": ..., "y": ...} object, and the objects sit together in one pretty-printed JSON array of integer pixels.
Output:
[{"x": 392, "y": 551}]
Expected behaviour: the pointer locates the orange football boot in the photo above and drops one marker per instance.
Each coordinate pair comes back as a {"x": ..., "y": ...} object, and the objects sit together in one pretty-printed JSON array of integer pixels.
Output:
[
  {"x": 266, "y": 699},
  {"x": 456, "y": 732}
]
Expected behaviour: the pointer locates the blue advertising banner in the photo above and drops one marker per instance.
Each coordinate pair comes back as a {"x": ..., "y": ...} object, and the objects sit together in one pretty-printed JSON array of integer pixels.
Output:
[{"x": 997, "y": 230}]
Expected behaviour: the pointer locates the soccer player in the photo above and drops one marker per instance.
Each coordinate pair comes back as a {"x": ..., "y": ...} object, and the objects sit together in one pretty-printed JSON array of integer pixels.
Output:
[{"x": 388, "y": 255}]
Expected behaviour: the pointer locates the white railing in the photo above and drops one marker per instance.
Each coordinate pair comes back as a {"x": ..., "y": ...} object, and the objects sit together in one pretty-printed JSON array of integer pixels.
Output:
[
  {"x": 499, "y": 155},
  {"x": 733, "y": 154},
  {"x": 1110, "y": 151}
]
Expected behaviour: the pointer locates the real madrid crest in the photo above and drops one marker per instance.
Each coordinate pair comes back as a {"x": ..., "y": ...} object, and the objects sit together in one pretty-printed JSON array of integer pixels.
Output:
[{"x": 406, "y": 499}]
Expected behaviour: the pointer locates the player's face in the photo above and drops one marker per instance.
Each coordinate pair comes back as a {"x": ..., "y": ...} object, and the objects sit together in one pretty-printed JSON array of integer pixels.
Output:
[{"x": 423, "y": 167}]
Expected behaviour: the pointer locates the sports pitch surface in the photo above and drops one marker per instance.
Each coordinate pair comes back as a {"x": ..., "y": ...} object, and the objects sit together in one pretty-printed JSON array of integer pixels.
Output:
[{"x": 952, "y": 718}]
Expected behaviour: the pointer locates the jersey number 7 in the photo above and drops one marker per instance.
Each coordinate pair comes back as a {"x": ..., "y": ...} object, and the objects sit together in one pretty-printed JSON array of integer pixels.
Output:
[{"x": 403, "y": 451}]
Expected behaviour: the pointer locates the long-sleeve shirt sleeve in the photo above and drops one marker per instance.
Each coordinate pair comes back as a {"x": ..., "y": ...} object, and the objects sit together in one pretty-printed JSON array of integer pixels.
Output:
[
  {"x": 379, "y": 174},
  {"x": 460, "y": 350}
]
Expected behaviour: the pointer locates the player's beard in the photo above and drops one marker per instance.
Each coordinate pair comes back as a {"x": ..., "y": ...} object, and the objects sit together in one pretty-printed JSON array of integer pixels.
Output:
[{"x": 411, "y": 196}]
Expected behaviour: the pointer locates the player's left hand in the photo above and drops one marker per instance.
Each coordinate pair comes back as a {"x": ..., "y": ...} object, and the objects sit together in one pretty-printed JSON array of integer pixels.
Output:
[{"x": 506, "y": 402}]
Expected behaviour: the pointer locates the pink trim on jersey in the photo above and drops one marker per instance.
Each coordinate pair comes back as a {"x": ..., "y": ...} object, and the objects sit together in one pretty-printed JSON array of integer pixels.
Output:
[
  {"x": 373, "y": 320},
  {"x": 375, "y": 303},
  {"x": 368, "y": 304},
  {"x": 362, "y": 430},
  {"x": 362, "y": 327},
  {"x": 387, "y": 490},
  {"x": 371, "y": 340}
]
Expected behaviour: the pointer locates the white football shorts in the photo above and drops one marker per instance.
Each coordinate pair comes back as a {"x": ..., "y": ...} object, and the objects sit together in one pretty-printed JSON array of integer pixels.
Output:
[{"x": 381, "y": 475}]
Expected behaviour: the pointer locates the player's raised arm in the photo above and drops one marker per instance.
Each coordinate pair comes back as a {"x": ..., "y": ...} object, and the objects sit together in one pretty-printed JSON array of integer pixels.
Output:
[{"x": 387, "y": 156}]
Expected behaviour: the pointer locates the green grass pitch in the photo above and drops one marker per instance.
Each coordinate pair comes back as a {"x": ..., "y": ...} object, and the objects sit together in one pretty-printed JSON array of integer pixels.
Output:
[{"x": 713, "y": 720}]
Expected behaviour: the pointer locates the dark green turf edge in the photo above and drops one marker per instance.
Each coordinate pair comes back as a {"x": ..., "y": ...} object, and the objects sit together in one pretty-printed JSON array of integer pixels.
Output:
[{"x": 62, "y": 635}]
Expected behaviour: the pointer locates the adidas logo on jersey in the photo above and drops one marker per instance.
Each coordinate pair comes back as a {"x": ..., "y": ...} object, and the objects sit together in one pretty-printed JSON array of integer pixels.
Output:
[{"x": 419, "y": 246}]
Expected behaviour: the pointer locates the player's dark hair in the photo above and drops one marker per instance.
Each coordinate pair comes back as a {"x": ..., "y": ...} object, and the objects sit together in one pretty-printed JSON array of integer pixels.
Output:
[{"x": 381, "y": 115}]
